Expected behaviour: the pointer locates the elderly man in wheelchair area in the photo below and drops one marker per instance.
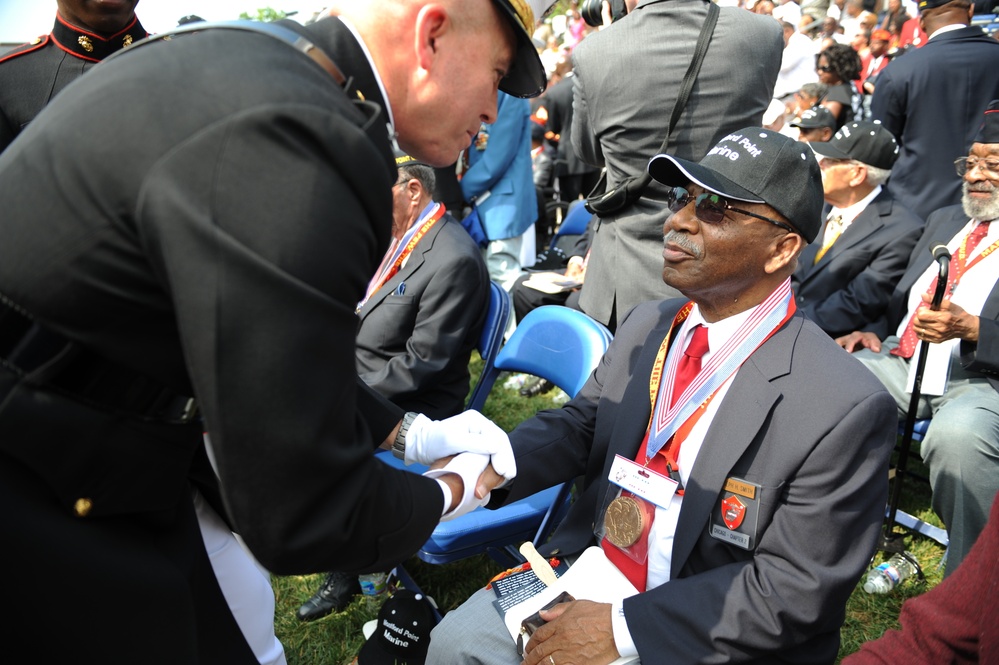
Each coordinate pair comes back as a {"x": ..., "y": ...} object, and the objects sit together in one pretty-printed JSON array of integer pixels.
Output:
[{"x": 961, "y": 445}]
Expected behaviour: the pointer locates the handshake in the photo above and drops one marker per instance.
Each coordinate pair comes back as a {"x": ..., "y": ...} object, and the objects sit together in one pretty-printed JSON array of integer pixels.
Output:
[{"x": 467, "y": 452}]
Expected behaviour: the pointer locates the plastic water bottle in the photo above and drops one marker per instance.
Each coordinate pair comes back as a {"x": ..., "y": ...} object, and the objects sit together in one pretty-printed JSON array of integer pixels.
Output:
[
  {"x": 890, "y": 574},
  {"x": 372, "y": 584}
]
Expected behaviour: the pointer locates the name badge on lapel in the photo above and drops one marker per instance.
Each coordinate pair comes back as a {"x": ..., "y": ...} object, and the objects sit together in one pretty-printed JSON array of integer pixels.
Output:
[{"x": 735, "y": 517}]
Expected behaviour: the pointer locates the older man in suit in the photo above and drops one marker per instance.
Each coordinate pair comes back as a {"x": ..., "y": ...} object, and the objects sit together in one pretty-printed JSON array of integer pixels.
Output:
[
  {"x": 931, "y": 100},
  {"x": 424, "y": 309},
  {"x": 206, "y": 277},
  {"x": 420, "y": 319},
  {"x": 959, "y": 388},
  {"x": 626, "y": 79},
  {"x": 844, "y": 280},
  {"x": 761, "y": 518}
]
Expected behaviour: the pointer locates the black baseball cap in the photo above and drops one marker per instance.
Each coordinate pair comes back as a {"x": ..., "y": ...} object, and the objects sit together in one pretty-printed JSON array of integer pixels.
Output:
[
  {"x": 405, "y": 159},
  {"x": 527, "y": 77},
  {"x": 401, "y": 635},
  {"x": 755, "y": 165},
  {"x": 866, "y": 142},
  {"x": 815, "y": 117}
]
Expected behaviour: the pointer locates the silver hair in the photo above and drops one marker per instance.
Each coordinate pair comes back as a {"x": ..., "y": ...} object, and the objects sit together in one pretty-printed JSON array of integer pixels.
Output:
[{"x": 875, "y": 175}]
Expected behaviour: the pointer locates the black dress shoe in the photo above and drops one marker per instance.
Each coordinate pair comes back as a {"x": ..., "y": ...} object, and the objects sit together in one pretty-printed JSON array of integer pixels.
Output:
[
  {"x": 537, "y": 387},
  {"x": 335, "y": 594}
]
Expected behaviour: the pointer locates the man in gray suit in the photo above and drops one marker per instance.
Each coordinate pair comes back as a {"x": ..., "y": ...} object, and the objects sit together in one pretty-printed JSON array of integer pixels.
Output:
[
  {"x": 419, "y": 321},
  {"x": 766, "y": 509},
  {"x": 626, "y": 80}
]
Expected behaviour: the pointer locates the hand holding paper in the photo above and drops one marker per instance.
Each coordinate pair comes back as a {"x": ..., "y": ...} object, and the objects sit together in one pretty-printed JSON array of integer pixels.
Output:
[{"x": 576, "y": 632}]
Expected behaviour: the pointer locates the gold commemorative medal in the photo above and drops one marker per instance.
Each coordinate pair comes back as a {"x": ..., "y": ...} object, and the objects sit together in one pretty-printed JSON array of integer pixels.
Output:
[{"x": 623, "y": 521}]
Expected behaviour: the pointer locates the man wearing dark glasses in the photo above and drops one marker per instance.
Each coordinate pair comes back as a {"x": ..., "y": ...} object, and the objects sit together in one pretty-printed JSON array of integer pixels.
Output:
[{"x": 762, "y": 450}]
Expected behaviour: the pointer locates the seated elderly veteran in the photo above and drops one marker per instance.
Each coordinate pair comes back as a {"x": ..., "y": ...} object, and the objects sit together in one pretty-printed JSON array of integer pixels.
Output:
[
  {"x": 420, "y": 319},
  {"x": 959, "y": 383},
  {"x": 844, "y": 280},
  {"x": 770, "y": 466},
  {"x": 424, "y": 308}
]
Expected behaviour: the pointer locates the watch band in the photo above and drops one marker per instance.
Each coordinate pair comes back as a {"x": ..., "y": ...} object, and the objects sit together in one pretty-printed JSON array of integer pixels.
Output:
[{"x": 399, "y": 445}]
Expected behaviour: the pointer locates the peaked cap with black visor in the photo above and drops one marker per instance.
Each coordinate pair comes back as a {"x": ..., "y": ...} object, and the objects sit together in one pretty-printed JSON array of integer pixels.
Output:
[{"x": 526, "y": 77}]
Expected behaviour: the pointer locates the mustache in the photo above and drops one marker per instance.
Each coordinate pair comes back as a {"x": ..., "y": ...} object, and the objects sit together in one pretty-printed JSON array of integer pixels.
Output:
[
  {"x": 681, "y": 240},
  {"x": 984, "y": 186}
]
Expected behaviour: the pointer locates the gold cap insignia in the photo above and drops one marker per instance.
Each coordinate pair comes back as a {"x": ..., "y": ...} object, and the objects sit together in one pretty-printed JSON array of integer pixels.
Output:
[
  {"x": 82, "y": 507},
  {"x": 524, "y": 14}
]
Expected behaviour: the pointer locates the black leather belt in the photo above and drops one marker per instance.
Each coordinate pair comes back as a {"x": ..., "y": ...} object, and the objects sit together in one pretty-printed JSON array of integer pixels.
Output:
[{"x": 50, "y": 360}]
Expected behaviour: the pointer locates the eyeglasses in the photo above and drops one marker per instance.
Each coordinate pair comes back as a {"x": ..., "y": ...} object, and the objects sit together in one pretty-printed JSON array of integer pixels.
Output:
[
  {"x": 711, "y": 208},
  {"x": 989, "y": 167},
  {"x": 825, "y": 68}
]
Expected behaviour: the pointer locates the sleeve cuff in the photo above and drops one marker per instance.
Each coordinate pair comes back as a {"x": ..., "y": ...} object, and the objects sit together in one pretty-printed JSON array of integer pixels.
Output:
[
  {"x": 622, "y": 636},
  {"x": 447, "y": 496}
]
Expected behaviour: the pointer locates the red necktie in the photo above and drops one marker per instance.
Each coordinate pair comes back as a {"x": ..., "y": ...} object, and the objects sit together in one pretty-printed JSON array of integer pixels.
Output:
[
  {"x": 690, "y": 364},
  {"x": 907, "y": 345}
]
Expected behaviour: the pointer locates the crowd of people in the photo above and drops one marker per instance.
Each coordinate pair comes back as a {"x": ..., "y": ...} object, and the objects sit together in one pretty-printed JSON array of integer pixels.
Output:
[{"x": 208, "y": 331}]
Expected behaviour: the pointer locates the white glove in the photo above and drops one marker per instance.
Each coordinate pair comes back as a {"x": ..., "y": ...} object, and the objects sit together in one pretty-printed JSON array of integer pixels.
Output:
[
  {"x": 468, "y": 432},
  {"x": 469, "y": 466}
]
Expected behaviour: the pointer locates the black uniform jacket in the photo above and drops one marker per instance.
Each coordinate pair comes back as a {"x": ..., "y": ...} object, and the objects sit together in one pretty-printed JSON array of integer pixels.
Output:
[
  {"x": 208, "y": 211},
  {"x": 32, "y": 74}
]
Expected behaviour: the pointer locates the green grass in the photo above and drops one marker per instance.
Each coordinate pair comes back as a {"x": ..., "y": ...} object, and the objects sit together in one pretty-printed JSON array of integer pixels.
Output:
[{"x": 336, "y": 639}]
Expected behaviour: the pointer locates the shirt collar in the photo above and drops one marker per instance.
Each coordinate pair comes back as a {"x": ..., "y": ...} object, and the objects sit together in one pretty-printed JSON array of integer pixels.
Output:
[
  {"x": 88, "y": 45},
  {"x": 850, "y": 213},
  {"x": 374, "y": 70},
  {"x": 947, "y": 28},
  {"x": 719, "y": 332}
]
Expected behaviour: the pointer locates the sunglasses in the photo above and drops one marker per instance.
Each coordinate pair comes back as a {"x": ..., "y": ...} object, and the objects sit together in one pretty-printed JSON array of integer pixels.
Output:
[
  {"x": 824, "y": 68},
  {"x": 711, "y": 208}
]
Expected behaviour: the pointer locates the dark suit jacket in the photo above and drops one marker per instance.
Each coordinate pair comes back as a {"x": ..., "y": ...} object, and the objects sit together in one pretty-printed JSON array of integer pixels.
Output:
[
  {"x": 822, "y": 474},
  {"x": 221, "y": 251},
  {"x": 932, "y": 99},
  {"x": 414, "y": 348},
  {"x": 849, "y": 288},
  {"x": 941, "y": 227},
  {"x": 558, "y": 102},
  {"x": 626, "y": 78}
]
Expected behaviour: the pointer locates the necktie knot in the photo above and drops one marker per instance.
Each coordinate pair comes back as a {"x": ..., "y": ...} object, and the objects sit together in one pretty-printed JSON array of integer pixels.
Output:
[{"x": 698, "y": 345}]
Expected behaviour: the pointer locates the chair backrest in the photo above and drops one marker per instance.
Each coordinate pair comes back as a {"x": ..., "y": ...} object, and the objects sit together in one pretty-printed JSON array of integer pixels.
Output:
[
  {"x": 556, "y": 343},
  {"x": 491, "y": 339},
  {"x": 553, "y": 342},
  {"x": 572, "y": 226}
]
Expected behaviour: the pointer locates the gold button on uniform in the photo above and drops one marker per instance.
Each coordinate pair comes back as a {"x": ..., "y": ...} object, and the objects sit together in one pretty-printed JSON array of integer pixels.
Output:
[{"x": 82, "y": 506}]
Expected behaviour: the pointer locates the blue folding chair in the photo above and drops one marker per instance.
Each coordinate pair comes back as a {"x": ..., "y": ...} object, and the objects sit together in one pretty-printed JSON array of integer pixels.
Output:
[
  {"x": 573, "y": 226},
  {"x": 491, "y": 339},
  {"x": 554, "y": 343},
  {"x": 911, "y": 522}
]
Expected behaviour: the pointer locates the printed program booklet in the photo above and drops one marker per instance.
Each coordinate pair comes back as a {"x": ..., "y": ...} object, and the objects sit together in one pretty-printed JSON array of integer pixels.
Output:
[{"x": 592, "y": 577}]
